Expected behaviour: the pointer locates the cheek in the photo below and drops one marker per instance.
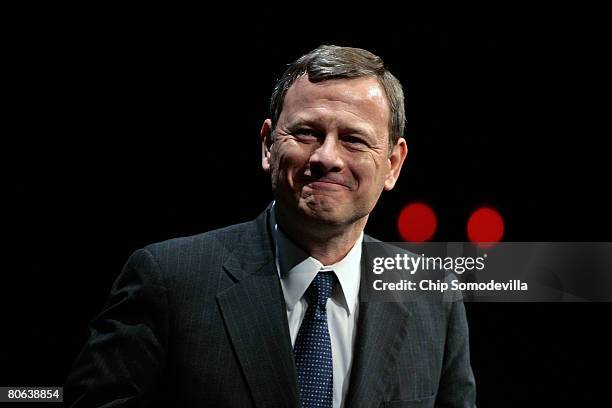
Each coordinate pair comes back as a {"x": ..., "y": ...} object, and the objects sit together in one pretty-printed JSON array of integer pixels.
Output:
[
  {"x": 369, "y": 169},
  {"x": 287, "y": 162}
]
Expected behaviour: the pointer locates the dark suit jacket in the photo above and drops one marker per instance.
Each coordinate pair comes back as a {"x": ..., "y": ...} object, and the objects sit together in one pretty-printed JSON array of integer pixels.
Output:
[{"x": 201, "y": 322}]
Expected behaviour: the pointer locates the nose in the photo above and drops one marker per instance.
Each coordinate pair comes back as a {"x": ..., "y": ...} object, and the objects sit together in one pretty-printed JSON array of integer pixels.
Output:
[{"x": 326, "y": 157}]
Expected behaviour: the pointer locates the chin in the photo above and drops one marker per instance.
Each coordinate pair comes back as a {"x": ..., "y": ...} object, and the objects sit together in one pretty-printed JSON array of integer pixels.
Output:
[{"x": 324, "y": 211}]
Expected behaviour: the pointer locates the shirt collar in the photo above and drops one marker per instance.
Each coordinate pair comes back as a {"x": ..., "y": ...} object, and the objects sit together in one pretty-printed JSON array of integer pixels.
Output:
[{"x": 297, "y": 269}]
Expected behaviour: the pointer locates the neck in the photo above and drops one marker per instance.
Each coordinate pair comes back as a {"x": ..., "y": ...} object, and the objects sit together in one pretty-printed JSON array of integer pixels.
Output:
[{"x": 326, "y": 243}]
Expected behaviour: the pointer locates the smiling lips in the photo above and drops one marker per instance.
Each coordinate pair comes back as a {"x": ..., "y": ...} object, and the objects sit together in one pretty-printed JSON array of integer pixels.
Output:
[{"x": 327, "y": 184}]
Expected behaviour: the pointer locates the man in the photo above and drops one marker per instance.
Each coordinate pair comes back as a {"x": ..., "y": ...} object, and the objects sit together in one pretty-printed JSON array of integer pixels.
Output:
[{"x": 268, "y": 313}]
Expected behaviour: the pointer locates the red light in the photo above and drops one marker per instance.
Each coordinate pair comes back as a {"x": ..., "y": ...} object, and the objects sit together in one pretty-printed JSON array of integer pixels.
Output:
[
  {"x": 417, "y": 222},
  {"x": 485, "y": 225}
]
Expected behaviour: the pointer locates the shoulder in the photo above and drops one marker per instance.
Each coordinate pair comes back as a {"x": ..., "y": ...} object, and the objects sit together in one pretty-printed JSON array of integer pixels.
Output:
[
  {"x": 186, "y": 269},
  {"x": 215, "y": 242},
  {"x": 211, "y": 250}
]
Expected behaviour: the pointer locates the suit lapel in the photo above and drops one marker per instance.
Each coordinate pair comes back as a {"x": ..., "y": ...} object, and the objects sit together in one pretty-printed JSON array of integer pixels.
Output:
[
  {"x": 255, "y": 317},
  {"x": 381, "y": 331}
]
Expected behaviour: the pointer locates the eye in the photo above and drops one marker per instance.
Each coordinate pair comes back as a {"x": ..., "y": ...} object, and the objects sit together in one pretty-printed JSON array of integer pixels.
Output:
[
  {"x": 305, "y": 134},
  {"x": 355, "y": 140}
]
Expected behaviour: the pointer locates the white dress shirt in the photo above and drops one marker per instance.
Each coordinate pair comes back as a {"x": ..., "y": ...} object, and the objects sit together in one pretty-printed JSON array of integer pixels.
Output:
[{"x": 297, "y": 270}]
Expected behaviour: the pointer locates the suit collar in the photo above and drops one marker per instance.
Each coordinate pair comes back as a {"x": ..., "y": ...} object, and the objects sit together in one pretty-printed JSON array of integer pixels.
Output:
[{"x": 252, "y": 248}]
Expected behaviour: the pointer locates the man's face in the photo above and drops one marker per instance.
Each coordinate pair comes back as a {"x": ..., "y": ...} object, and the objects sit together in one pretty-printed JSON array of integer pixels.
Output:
[{"x": 329, "y": 159}]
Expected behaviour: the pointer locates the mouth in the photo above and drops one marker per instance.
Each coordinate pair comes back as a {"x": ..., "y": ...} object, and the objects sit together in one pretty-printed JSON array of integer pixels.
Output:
[{"x": 326, "y": 185}]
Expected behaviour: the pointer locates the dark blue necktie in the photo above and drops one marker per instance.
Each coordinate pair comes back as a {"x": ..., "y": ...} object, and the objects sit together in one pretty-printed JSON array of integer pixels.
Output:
[{"x": 312, "y": 350}]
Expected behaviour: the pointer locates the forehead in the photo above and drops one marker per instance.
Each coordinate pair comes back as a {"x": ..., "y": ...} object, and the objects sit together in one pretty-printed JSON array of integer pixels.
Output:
[{"x": 358, "y": 99}]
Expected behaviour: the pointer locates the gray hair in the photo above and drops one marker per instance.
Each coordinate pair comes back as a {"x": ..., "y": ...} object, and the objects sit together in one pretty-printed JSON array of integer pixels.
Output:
[{"x": 332, "y": 62}]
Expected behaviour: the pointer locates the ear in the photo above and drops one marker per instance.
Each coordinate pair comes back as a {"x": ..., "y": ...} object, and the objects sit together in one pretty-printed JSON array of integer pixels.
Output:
[
  {"x": 265, "y": 135},
  {"x": 396, "y": 160}
]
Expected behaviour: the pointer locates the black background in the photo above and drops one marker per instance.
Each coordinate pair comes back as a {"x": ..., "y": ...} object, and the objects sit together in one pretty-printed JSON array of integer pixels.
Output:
[{"x": 134, "y": 128}]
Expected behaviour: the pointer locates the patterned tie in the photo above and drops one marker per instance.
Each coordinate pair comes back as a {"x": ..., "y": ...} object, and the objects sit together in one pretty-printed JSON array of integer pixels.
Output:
[{"x": 312, "y": 350}]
